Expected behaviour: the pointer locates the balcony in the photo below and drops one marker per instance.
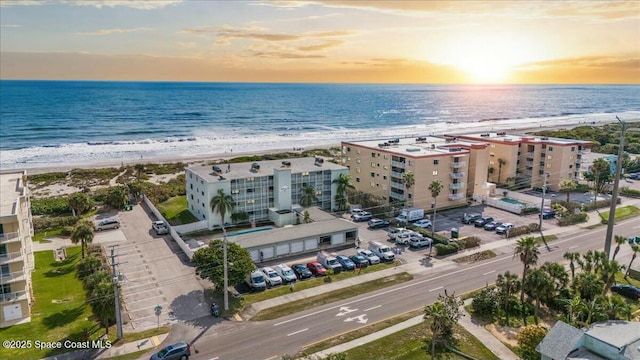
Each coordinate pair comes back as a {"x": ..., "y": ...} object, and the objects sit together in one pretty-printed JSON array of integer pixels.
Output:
[
  {"x": 396, "y": 174},
  {"x": 13, "y": 296},
  {"x": 458, "y": 164},
  {"x": 530, "y": 155},
  {"x": 10, "y": 237},
  {"x": 396, "y": 185},
  {"x": 11, "y": 257},
  {"x": 12, "y": 277},
  {"x": 396, "y": 196},
  {"x": 456, "y": 196},
  {"x": 397, "y": 164},
  {"x": 530, "y": 163},
  {"x": 528, "y": 173},
  {"x": 457, "y": 175},
  {"x": 454, "y": 186}
]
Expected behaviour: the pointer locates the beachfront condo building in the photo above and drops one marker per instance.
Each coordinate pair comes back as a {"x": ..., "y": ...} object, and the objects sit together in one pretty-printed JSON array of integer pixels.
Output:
[
  {"x": 16, "y": 254},
  {"x": 262, "y": 190},
  {"x": 525, "y": 160},
  {"x": 379, "y": 166}
]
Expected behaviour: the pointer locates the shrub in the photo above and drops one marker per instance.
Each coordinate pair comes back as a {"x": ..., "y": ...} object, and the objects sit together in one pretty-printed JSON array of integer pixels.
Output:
[
  {"x": 523, "y": 229},
  {"x": 605, "y": 203},
  {"x": 50, "y": 223},
  {"x": 572, "y": 219},
  {"x": 88, "y": 266},
  {"x": 55, "y": 205},
  {"x": 446, "y": 249},
  {"x": 528, "y": 338},
  {"x": 630, "y": 192},
  {"x": 529, "y": 210},
  {"x": 469, "y": 242},
  {"x": 485, "y": 302}
]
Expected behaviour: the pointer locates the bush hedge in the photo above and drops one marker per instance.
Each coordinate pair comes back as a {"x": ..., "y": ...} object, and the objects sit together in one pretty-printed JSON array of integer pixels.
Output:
[
  {"x": 446, "y": 249},
  {"x": 55, "y": 205},
  {"x": 523, "y": 229},
  {"x": 468, "y": 242},
  {"x": 50, "y": 223},
  {"x": 630, "y": 192},
  {"x": 573, "y": 219},
  {"x": 529, "y": 210}
]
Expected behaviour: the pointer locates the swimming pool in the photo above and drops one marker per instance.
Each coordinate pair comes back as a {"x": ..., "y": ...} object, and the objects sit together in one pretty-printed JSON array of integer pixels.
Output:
[
  {"x": 514, "y": 202},
  {"x": 249, "y": 231}
]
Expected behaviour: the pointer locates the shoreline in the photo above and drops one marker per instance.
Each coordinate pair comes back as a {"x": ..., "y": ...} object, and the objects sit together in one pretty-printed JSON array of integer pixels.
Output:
[{"x": 190, "y": 160}]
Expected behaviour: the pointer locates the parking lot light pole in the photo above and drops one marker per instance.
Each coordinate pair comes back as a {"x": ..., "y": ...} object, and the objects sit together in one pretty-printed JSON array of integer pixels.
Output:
[
  {"x": 544, "y": 190},
  {"x": 226, "y": 270},
  {"x": 614, "y": 192}
]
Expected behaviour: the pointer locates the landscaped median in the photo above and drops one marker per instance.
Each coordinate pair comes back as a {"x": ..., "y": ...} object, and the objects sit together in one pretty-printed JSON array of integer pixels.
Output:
[{"x": 622, "y": 213}]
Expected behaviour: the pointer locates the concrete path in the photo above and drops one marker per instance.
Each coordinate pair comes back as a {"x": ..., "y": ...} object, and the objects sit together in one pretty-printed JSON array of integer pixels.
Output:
[{"x": 487, "y": 338}]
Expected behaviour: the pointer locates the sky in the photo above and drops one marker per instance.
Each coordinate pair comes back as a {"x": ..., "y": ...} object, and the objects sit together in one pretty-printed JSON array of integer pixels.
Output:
[{"x": 343, "y": 41}]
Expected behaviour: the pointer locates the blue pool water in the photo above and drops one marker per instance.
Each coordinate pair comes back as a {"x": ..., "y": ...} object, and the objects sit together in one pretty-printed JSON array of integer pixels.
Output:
[
  {"x": 515, "y": 202},
  {"x": 249, "y": 231}
]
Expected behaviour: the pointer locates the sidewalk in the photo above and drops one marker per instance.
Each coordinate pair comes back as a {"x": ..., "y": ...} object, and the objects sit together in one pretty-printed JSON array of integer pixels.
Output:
[{"x": 115, "y": 350}]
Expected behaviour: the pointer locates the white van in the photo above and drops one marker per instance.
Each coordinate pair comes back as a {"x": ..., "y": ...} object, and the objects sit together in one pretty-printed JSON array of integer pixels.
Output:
[
  {"x": 330, "y": 262},
  {"x": 382, "y": 251},
  {"x": 256, "y": 280},
  {"x": 286, "y": 273}
]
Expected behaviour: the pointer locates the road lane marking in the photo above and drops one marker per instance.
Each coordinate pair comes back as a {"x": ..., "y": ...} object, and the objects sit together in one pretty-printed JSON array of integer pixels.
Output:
[
  {"x": 573, "y": 247},
  {"x": 488, "y": 272},
  {"x": 438, "y": 288},
  {"x": 215, "y": 358},
  {"x": 298, "y": 332},
  {"x": 361, "y": 319},
  {"x": 345, "y": 310},
  {"x": 371, "y": 308}
]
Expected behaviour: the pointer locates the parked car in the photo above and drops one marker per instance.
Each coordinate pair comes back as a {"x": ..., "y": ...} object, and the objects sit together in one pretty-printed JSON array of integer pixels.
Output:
[
  {"x": 502, "y": 229},
  {"x": 629, "y": 291},
  {"x": 316, "y": 268},
  {"x": 108, "y": 224},
  {"x": 492, "y": 226},
  {"x": 482, "y": 221},
  {"x": 347, "y": 264},
  {"x": 378, "y": 223},
  {"x": 271, "y": 276},
  {"x": 470, "y": 218},
  {"x": 370, "y": 256},
  {"x": 360, "y": 261},
  {"x": 176, "y": 351},
  {"x": 424, "y": 223},
  {"x": 160, "y": 227},
  {"x": 548, "y": 213},
  {"x": 286, "y": 273},
  {"x": 417, "y": 242},
  {"x": 402, "y": 238},
  {"x": 362, "y": 216},
  {"x": 355, "y": 210},
  {"x": 301, "y": 271},
  {"x": 256, "y": 280}
]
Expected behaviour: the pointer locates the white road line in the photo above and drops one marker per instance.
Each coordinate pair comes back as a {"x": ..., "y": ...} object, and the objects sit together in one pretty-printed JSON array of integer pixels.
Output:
[
  {"x": 438, "y": 288},
  {"x": 371, "y": 308},
  {"x": 573, "y": 247},
  {"x": 488, "y": 272},
  {"x": 298, "y": 332},
  {"x": 215, "y": 358}
]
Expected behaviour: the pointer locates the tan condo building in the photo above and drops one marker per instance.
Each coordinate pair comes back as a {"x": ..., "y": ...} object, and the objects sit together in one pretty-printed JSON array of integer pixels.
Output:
[
  {"x": 378, "y": 166},
  {"x": 16, "y": 254}
]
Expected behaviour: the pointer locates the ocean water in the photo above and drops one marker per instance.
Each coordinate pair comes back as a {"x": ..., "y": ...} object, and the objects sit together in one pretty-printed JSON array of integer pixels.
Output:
[{"x": 49, "y": 123}]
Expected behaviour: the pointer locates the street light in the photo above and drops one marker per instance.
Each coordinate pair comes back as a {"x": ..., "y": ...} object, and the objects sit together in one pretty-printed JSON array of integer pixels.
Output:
[{"x": 614, "y": 193}]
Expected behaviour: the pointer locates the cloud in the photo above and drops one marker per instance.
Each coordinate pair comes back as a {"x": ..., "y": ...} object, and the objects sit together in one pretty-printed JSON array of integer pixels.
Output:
[
  {"x": 136, "y": 4},
  {"x": 10, "y": 26},
  {"x": 113, "y": 31},
  {"x": 602, "y": 62},
  {"x": 227, "y": 33},
  {"x": 323, "y": 46},
  {"x": 285, "y": 55},
  {"x": 186, "y": 45}
]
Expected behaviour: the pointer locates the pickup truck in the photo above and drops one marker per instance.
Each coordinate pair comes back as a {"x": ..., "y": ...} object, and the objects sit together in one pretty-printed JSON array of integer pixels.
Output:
[{"x": 160, "y": 227}]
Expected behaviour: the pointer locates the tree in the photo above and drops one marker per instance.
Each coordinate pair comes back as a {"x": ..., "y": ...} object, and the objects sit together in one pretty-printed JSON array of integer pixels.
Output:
[
  {"x": 528, "y": 338},
  {"x": 139, "y": 170},
  {"x": 408, "y": 179},
  {"x": 573, "y": 309},
  {"x": 239, "y": 217},
  {"x": 527, "y": 250},
  {"x": 608, "y": 272},
  {"x": 442, "y": 315},
  {"x": 344, "y": 183},
  {"x": 507, "y": 285},
  {"x": 540, "y": 285},
  {"x": 588, "y": 285},
  {"x": 501, "y": 162},
  {"x": 558, "y": 275},
  {"x": 306, "y": 217},
  {"x": 574, "y": 258},
  {"x": 600, "y": 174},
  {"x": 490, "y": 171},
  {"x": 620, "y": 240},
  {"x": 485, "y": 302},
  {"x": 79, "y": 202},
  {"x": 117, "y": 196},
  {"x": 222, "y": 204},
  {"x": 435, "y": 187},
  {"x": 567, "y": 186},
  {"x": 308, "y": 197},
  {"x": 88, "y": 266},
  {"x": 102, "y": 300},
  {"x": 83, "y": 234},
  {"x": 209, "y": 263},
  {"x": 636, "y": 249}
]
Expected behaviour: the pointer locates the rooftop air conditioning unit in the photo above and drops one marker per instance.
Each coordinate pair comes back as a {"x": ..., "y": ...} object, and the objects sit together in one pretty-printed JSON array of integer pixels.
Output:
[
  {"x": 216, "y": 169},
  {"x": 255, "y": 167},
  {"x": 319, "y": 161}
]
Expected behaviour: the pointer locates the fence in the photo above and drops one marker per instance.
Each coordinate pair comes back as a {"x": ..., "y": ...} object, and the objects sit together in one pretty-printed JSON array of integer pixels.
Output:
[
  {"x": 187, "y": 228},
  {"x": 174, "y": 234}
]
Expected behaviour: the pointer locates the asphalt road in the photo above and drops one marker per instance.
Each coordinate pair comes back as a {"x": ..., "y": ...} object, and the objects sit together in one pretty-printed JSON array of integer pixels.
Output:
[{"x": 287, "y": 335}]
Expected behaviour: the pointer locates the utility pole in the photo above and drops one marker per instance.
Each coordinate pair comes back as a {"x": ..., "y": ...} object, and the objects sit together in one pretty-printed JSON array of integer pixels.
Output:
[
  {"x": 544, "y": 190},
  {"x": 614, "y": 193},
  {"x": 116, "y": 291},
  {"x": 226, "y": 270}
]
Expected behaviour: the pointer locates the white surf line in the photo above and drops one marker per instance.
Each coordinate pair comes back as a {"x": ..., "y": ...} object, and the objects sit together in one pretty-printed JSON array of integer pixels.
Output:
[
  {"x": 438, "y": 288},
  {"x": 298, "y": 332},
  {"x": 371, "y": 308},
  {"x": 488, "y": 272}
]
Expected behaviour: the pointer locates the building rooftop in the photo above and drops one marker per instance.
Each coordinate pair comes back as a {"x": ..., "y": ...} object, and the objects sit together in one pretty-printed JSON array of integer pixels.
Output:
[
  {"x": 618, "y": 334},
  {"x": 420, "y": 146},
  {"x": 502, "y": 136},
  {"x": 560, "y": 341},
  {"x": 265, "y": 168},
  {"x": 11, "y": 188}
]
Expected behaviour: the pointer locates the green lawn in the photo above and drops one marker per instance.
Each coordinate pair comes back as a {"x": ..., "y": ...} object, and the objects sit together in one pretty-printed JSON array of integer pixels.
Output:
[
  {"x": 622, "y": 213},
  {"x": 175, "y": 211},
  {"x": 59, "y": 311},
  {"x": 41, "y": 236}
]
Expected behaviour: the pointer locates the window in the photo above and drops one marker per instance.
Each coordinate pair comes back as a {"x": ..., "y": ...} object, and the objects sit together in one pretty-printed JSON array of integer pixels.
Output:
[
  {"x": 191, "y": 186},
  {"x": 385, "y": 167},
  {"x": 493, "y": 146},
  {"x": 492, "y": 154},
  {"x": 358, "y": 170},
  {"x": 436, "y": 162},
  {"x": 348, "y": 158},
  {"x": 491, "y": 162},
  {"x": 5, "y": 289},
  {"x": 249, "y": 190},
  {"x": 201, "y": 182},
  {"x": 570, "y": 166},
  {"x": 373, "y": 184},
  {"x": 373, "y": 174},
  {"x": 203, "y": 193},
  {"x": 373, "y": 164},
  {"x": 4, "y": 270},
  {"x": 318, "y": 192},
  {"x": 203, "y": 204},
  {"x": 550, "y": 148},
  {"x": 306, "y": 173},
  {"x": 385, "y": 156},
  {"x": 250, "y": 179},
  {"x": 385, "y": 187},
  {"x": 250, "y": 201},
  {"x": 549, "y": 157},
  {"x": 570, "y": 157},
  {"x": 373, "y": 154},
  {"x": 357, "y": 161},
  {"x": 548, "y": 166},
  {"x": 384, "y": 177},
  {"x": 191, "y": 196},
  {"x": 410, "y": 162},
  {"x": 236, "y": 191},
  {"x": 541, "y": 172},
  {"x": 190, "y": 175},
  {"x": 435, "y": 172},
  {"x": 358, "y": 151},
  {"x": 573, "y": 148},
  {"x": 348, "y": 149},
  {"x": 357, "y": 179}
]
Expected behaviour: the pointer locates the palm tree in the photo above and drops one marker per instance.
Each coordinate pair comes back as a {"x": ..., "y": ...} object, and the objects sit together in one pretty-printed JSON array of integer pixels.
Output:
[
  {"x": 308, "y": 197},
  {"x": 306, "y": 217},
  {"x": 490, "y": 171},
  {"x": 79, "y": 202},
  {"x": 408, "y": 179},
  {"x": 540, "y": 285},
  {"x": 588, "y": 285},
  {"x": 636, "y": 249},
  {"x": 435, "y": 187},
  {"x": 558, "y": 275},
  {"x": 527, "y": 250},
  {"x": 507, "y": 285},
  {"x": 574, "y": 258},
  {"x": 608, "y": 272},
  {"x": 344, "y": 184},
  {"x": 573, "y": 309},
  {"x": 587, "y": 264},
  {"x": 619, "y": 241},
  {"x": 83, "y": 234},
  {"x": 567, "y": 186},
  {"x": 223, "y": 204},
  {"x": 501, "y": 162},
  {"x": 437, "y": 314},
  {"x": 139, "y": 170}
]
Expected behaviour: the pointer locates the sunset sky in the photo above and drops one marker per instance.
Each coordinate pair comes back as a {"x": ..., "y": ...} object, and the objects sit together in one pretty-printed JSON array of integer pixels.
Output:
[{"x": 462, "y": 42}]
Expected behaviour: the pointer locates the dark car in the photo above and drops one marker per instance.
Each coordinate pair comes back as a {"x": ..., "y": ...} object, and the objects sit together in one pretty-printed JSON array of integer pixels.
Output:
[
  {"x": 548, "y": 213},
  {"x": 470, "y": 218},
  {"x": 629, "y": 291},
  {"x": 482, "y": 221},
  {"x": 492, "y": 225},
  {"x": 378, "y": 223},
  {"x": 346, "y": 263},
  {"x": 176, "y": 351},
  {"x": 301, "y": 271},
  {"x": 360, "y": 261},
  {"x": 316, "y": 268}
]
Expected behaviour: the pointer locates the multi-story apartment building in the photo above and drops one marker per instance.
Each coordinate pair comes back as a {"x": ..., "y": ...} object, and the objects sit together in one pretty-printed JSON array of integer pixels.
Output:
[
  {"x": 527, "y": 159},
  {"x": 262, "y": 187},
  {"x": 378, "y": 167},
  {"x": 16, "y": 254}
]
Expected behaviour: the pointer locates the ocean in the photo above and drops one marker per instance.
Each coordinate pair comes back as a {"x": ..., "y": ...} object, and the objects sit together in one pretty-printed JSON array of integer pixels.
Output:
[{"x": 50, "y": 123}]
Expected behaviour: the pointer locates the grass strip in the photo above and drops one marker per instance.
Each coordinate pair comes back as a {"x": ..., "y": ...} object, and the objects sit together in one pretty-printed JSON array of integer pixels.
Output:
[
  {"x": 332, "y": 296},
  {"x": 479, "y": 256},
  {"x": 129, "y": 356},
  {"x": 547, "y": 238},
  {"x": 622, "y": 213}
]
